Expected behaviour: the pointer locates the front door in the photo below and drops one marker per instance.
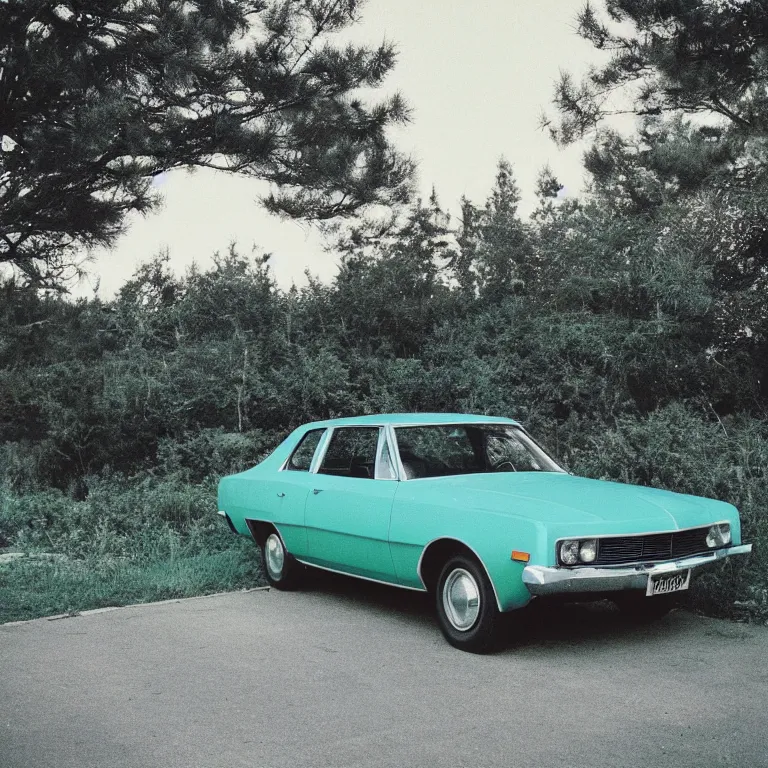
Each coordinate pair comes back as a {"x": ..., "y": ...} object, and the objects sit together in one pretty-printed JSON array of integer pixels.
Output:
[{"x": 348, "y": 509}]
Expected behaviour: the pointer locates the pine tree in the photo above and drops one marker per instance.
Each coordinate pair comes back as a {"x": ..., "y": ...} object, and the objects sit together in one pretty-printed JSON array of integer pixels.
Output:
[
  {"x": 495, "y": 244},
  {"x": 695, "y": 75},
  {"x": 97, "y": 97},
  {"x": 683, "y": 57}
]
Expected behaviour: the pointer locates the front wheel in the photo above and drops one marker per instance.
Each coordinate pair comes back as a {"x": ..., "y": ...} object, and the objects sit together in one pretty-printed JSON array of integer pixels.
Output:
[
  {"x": 280, "y": 568},
  {"x": 466, "y": 605}
]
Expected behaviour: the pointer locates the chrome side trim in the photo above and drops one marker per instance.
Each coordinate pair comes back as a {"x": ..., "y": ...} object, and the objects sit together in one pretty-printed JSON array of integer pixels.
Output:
[
  {"x": 471, "y": 549},
  {"x": 547, "y": 580},
  {"x": 355, "y": 576},
  {"x": 474, "y": 474}
]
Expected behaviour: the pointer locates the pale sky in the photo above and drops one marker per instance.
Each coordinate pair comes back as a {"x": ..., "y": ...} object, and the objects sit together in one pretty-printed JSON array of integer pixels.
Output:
[{"x": 477, "y": 76}]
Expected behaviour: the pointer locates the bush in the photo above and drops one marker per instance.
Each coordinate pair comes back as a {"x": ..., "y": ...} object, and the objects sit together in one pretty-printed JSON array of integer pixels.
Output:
[
  {"x": 132, "y": 540},
  {"x": 214, "y": 452},
  {"x": 680, "y": 450},
  {"x": 139, "y": 518}
]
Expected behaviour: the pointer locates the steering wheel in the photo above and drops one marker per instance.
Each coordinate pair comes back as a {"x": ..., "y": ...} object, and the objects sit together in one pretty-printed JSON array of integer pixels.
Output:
[{"x": 505, "y": 465}]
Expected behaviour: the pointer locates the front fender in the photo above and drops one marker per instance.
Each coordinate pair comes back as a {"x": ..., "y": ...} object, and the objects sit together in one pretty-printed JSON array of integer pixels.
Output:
[{"x": 417, "y": 522}]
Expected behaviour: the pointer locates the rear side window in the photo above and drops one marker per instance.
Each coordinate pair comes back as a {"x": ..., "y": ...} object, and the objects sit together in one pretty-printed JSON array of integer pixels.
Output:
[
  {"x": 351, "y": 452},
  {"x": 301, "y": 458}
]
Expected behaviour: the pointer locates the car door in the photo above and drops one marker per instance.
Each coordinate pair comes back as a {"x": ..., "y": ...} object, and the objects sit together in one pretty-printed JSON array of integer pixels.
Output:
[
  {"x": 350, "y": 503},
  {"x": 285, "y": 497}
]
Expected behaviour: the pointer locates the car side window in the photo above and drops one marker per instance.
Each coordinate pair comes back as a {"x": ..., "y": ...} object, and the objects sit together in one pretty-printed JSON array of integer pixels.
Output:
[
  {"x": 351, "y": 452},
  {"x": 435, "y": 451},
  {"x": 301, "y": 458}
]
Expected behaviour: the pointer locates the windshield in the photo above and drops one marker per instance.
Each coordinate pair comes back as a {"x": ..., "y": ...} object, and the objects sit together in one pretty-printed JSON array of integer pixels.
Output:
[{"x": 462, "y": 449}]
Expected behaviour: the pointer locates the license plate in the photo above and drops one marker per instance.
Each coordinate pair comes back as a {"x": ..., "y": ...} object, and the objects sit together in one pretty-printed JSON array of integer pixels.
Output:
[{"x": 673, "y": 582}]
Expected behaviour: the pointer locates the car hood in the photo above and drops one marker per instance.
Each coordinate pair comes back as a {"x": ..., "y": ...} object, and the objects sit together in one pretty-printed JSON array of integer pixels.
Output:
[{"x": 559, "y": 497}]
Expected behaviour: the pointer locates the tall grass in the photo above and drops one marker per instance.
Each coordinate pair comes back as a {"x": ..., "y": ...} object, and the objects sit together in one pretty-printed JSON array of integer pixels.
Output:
[{"x": 132, "y": 540}]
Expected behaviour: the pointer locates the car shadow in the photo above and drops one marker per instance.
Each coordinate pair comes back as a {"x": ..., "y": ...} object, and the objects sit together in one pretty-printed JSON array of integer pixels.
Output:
[
  {"x": 543, "y": 622},
  {"x": 554, "y": 623},
  {"x": 369, "y": 593}
]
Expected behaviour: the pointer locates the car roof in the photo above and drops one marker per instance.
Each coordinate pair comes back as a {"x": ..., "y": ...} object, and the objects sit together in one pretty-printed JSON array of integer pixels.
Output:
[{"x": 410, "y": 419}]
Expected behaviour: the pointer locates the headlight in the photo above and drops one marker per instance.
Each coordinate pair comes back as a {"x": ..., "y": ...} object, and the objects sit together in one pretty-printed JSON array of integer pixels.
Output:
[
  {"x": 588, "y": 550},
  {"x": 575, "y": 551},
  {"x": 718, "y": 535},
  {"x": 569, "y": 552}
]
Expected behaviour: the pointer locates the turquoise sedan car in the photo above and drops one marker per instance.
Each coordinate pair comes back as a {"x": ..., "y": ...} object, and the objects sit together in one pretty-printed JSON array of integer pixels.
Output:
[{"x": 473, "y": 511}]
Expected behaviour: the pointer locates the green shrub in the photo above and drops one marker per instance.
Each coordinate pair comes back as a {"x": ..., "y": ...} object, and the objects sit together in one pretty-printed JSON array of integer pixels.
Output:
[
  {"x": 30, "y": 588},
  {"x": 139, "y": 518},
  {"x": 214, "y": 452},
  {"x": 132, "y": 540},
  {"x": 681, "y": 450}
]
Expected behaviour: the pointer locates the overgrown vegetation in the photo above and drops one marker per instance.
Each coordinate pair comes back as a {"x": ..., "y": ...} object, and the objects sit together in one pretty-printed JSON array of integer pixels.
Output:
[{"x": 627, "y": 329}]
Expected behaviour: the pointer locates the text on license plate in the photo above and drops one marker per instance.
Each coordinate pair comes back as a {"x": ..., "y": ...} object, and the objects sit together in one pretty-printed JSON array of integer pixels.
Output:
[{"x": 672, "y": 582}]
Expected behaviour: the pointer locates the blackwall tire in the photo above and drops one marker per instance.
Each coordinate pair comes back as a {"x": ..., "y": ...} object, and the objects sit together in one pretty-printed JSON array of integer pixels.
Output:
[
  {"x": 280, "y": 568},
  {"x": 467, "y": 612}
]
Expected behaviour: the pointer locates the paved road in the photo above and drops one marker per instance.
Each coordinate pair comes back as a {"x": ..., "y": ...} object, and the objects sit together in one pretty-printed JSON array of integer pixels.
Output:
[{"x": 352, "y": 674}]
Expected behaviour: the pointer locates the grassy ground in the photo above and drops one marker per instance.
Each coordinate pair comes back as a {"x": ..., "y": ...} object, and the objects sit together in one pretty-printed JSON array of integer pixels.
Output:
[
  {"x": 31, "y": 587},
  {"x": 132, "y": 540}
]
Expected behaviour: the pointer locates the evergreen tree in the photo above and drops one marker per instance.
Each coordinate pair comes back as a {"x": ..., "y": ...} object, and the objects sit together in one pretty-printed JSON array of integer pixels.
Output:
[
  {"x": 97, "y": 97},
  {"x": 687, "y": 56},
  {"x": 694, "y": 73},
  {"x": 495, "y": 244},
  {"x": 391, "y": 289}
]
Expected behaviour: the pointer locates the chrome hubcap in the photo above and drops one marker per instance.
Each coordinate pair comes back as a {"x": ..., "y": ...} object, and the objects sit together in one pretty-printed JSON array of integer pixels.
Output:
[
  {"x": 461, "y": 599},
  {"x": 275, "y": 555}
]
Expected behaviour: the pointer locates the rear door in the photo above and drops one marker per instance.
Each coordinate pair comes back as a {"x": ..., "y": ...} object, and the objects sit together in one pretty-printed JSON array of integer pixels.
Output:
[
  {"x": 349, "y": 506},
  {"x": 286, "y": 495}
]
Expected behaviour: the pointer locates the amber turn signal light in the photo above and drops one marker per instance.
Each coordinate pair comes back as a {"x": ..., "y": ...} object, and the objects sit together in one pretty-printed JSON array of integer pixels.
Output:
[{"x": 521, "y": 557}]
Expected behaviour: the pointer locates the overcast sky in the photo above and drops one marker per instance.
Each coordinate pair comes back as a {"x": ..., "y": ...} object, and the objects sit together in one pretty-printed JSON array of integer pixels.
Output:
[{"x": 477, "y": 75}]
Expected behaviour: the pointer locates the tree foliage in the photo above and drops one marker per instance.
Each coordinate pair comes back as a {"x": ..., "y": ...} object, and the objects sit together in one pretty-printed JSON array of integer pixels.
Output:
[
  {"x": 494, "y": 241},
  {"x": 686, "y": 56},
  {"x": 98, "y": 98}
]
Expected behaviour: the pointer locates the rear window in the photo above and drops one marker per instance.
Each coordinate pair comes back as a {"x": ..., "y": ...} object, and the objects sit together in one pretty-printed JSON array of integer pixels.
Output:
[{"x": 301, "y": 458}]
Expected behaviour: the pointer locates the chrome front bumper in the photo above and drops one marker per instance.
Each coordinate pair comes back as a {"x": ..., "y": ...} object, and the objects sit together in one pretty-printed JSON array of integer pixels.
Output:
[{"x": 544, "y": 580}]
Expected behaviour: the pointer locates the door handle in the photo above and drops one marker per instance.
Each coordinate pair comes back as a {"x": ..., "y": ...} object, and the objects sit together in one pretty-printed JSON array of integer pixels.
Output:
[
  {"x": 316, "y": 490},
  {"x": 280, "y": 495}
]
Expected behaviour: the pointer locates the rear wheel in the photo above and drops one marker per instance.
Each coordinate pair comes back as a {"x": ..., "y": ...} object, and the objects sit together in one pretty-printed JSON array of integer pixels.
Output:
[
  {"x": 637, "y": 607},
  {"x": 280, "y": 567},
  {"x": 466, "y": 605}
]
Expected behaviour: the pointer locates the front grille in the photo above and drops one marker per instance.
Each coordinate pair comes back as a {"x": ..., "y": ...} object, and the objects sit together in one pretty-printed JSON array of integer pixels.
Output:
[{"x": 615, "y": 550}]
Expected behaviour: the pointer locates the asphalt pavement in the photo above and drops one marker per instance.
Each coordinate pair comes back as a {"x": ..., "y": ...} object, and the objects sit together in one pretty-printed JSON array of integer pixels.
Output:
[{"x": 353, "y": 674}]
